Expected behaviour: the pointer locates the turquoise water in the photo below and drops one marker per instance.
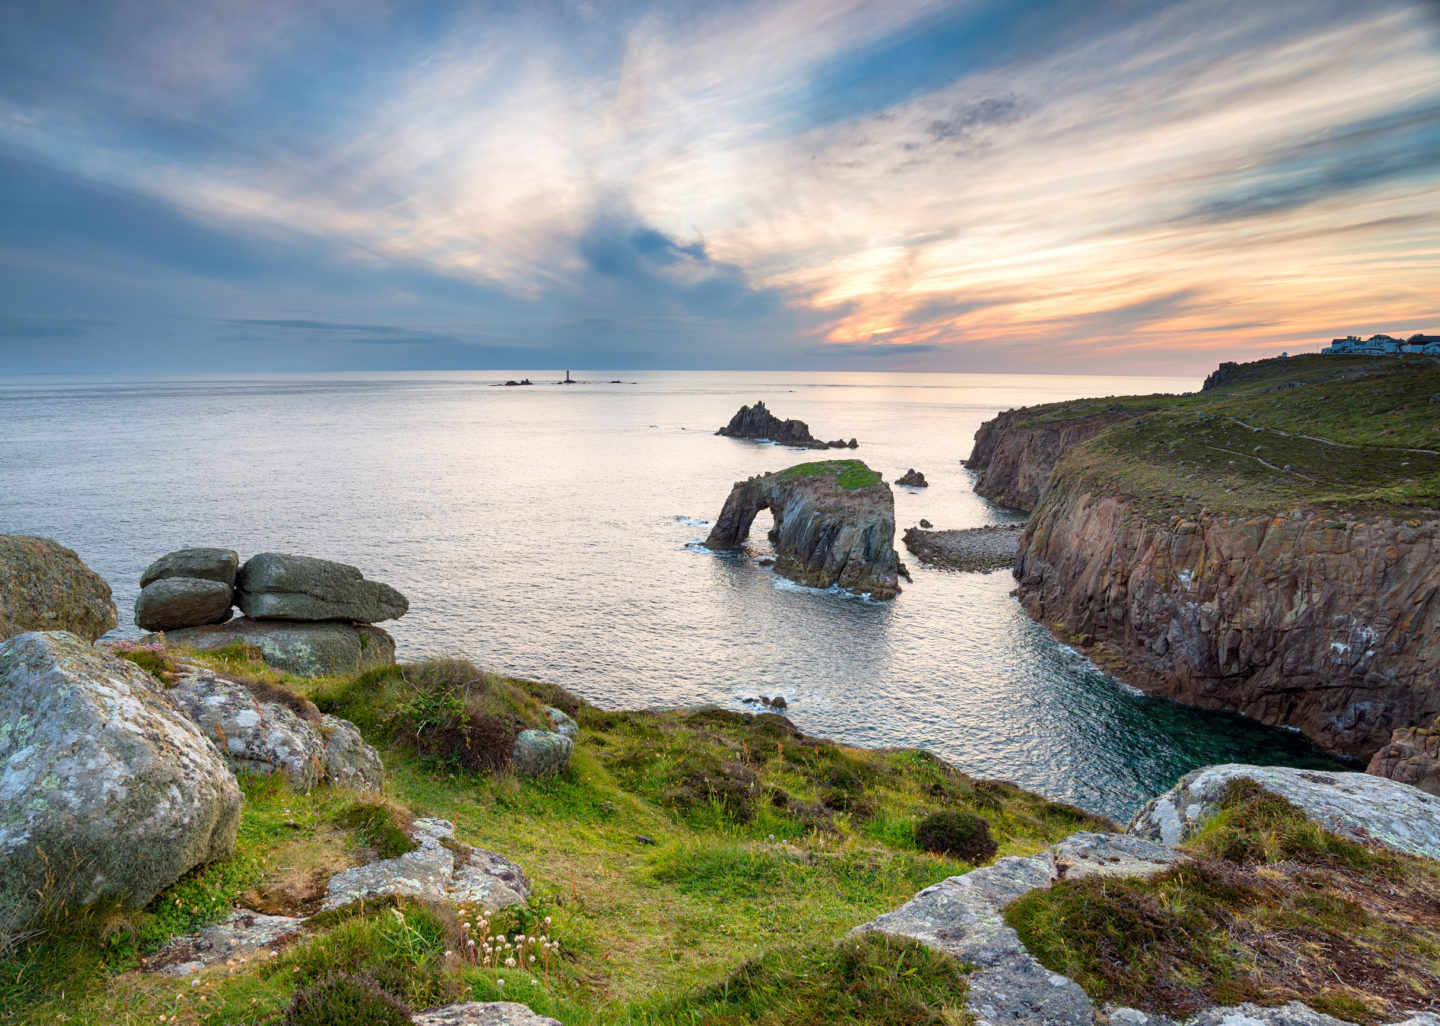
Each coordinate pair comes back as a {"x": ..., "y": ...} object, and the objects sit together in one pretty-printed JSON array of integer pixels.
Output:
[{"x": 546, "y": 532}]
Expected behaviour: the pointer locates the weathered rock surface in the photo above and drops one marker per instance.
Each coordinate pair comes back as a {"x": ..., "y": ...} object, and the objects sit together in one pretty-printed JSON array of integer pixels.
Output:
[
  {"x": 46, "y": 587},
  {"x": 267, "y": 737},
  {"x": 105, "y": 785},
  {"x": 1292, "y": 1014},
  {"x": 1115, "y": 855},
  {"x": 1328, "y": 626},
  {"x": 1412, "y": 757},
  {"x": 440, "y": 869},
  {"x": 305, "y": 649},
  {"x": 173, "y": 602},
  {"x": 277, "y": 586},
  {"x": 759, "y": 423},
  {"x": 824, "y": 534},
  {"x": 1355, "y": 805},
  {"x": 541, "y": 753},
  {"x": 1016, "y": 452},
  {"x": 484, "y": 1013},
  {"x": 203, "y": 564},
  {"x": 241, "y": 935},
  {"x": 913, "y": 478},
  {"x": 563, "y": 723},
  {"x": 980, "y": 549}
]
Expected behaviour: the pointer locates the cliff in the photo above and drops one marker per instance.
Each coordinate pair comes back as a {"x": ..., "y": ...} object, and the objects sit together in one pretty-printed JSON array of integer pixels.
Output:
[
  {"x": 834, "y": 525},
  {"x": 1274, "y": 555}
]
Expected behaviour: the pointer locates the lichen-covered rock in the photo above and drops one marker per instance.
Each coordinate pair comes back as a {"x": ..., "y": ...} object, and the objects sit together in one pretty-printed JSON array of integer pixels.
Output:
[
  {"x": 541, "y": 753},
  {"x": 834, "y": 525},
  {"x": 1292, "y": 1014},
  {"x": 242, "y": 934},
  {"x": 1115, "y": 855},
  {"x": 266, "y": 737},
  {"x": 564, "y": 725},
  {"x": 1412, "y": 757},
  {"x": 106, "y": 787},
  {"x": 484, "y": 1013},
  {"x": 277, "y": 586},
  {"x": 173, "y": 602},
  {"x": 1355, "y": 805},
  {"x": 304, "y": 649},
  {"x": 46, "y": 587},
  {"x": 203, "y": 564},
  {"x": 439, "y": 869}
]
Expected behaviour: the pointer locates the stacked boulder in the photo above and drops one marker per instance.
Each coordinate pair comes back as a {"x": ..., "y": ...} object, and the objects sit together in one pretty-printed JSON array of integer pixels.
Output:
[{"x": 309, "y": 616}]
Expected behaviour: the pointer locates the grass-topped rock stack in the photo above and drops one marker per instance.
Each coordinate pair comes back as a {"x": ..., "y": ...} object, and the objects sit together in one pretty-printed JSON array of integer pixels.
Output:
[
  {"x": 308, "y": 616},
  {"x": 834, "y": 525}
]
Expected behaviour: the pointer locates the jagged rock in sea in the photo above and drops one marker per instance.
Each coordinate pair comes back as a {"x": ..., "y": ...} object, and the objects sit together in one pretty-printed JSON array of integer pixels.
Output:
[
  {"x": 913, "y": 478},
  {"x": 173, "y": 602},
  {"x": 304, "y": 649},
  {"x": 265, "y": 730},
  {"x": 205, "y": 564},
  {"x": 1412, "y": 757},
  {"x": 439, "y": 869},
  {"x": 1355, "y": 805},
  {"x": 977, "y": 548},
  {"x": 759, "y": 423},
  {"x": 278, "y": 586},
  {"x": 109, "y": 791},
  {"x": 1016, "y": 451},
  {"x": 46, "y": 587},
  {"x": 834, "y": 525},
  {"x": 484, "y": 1013}
]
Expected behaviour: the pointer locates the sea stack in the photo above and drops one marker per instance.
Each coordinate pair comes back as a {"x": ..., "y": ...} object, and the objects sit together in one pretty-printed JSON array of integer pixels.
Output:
[
  {"x": 759, "y": 423},
  {"x": 834, "y": 525}
]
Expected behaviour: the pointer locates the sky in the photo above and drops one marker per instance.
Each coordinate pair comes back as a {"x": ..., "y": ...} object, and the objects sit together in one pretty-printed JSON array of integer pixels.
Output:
[{"x": 1072, "y": 186}]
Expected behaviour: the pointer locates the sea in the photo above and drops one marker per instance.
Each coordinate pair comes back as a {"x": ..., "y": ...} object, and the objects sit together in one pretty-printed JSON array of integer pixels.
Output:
[{"x": 552, "y": 532}]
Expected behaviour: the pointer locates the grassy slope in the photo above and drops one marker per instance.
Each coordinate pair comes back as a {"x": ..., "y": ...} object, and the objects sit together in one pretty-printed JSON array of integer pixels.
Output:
[
  {"x": 735, "y": 914},
  {"x": 1238, "y": 449}
]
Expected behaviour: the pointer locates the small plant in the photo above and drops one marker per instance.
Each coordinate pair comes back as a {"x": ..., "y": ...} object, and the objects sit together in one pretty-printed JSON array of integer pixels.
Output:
[
  {"x": 346, "y": 999},
  {"x": 151, "y": 656},
  {"x": 961, "y": 834},
  {"x": 382, "y": 825}
]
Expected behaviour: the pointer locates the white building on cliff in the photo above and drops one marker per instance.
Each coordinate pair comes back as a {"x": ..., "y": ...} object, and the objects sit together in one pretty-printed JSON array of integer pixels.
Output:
[{"x": 1385, "y": 345}]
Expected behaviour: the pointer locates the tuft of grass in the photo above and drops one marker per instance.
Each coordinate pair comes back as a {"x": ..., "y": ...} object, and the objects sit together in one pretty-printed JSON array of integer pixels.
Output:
[
  {"x": 869, "y": 980},
  {"x": 849, "y": 474},
  {"x": 381, "y": 824},
  {"x": 152, "y": 657}
]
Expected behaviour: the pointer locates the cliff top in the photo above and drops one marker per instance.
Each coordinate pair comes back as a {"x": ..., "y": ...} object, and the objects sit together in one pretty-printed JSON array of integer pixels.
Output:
[
  {"x": 1341, "y": 434},
  {"x": 850, "y": 475}
]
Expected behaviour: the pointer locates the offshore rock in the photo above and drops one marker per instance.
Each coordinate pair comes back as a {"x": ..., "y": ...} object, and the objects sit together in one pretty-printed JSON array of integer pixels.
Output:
[
  {"x": 913, "y": 478},
  {"x": 1364, "y": 808},
  {"x": 484, "y": 1013},
  {"x": 204, "y": 564},
  {"x": 107, "y": 790},
  {"x": 439, "y": 869},
  {"x": 1328, "y": 626},
  {"x": 1412, "y": 757},
  {"x": 834, "y": 525},
  {"x": 759, "y": 423},
  {"x": 266, "y": 737},
  {"x": 46, "y": 587},
  {"x": 976, "y": 548},
  {"x": 1016, "y": 451},
  {"x": 173, "y": 602},
  {"x": 276, "y": 586},
  {"x": 304, "y": 649}
]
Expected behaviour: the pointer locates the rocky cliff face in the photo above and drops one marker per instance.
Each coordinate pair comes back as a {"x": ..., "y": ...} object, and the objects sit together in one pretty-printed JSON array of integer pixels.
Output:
[
  {"x": 1016, "y": 452},
  {"x": 1330, "y": 626},
  {"x": 834, "y": 525}
]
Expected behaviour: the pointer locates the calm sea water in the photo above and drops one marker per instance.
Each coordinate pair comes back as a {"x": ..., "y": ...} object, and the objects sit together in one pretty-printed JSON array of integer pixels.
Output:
[{"x": 546, "y": 532}]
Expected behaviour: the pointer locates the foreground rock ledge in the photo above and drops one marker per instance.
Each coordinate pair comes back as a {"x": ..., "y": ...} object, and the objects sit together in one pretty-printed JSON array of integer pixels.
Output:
[
  {"x": 304, "y": 649},
  {"x": 107, "y": 790},
  {"x": 834, "y": 525}
]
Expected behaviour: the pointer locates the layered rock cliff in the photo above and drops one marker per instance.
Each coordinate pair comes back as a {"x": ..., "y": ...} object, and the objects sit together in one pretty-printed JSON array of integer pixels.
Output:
[
  {"x": 834, "y": 525},
  {"x": 1275, "y": 556},
  {"x": 1016, "y": 452}
]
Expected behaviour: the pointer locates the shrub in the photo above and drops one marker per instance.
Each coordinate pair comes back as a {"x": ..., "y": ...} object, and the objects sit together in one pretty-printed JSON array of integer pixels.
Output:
[
  {"x": 961, "y": 834},
  {"x": 345, "y": 999},
  {"x": 730, "y": 785}
]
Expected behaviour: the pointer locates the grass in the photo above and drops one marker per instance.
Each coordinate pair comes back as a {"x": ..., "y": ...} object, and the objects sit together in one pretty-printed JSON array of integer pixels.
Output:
[
  {"x": 768, "y": 848},
  {"x": 850, "y": 474},
  {"x": 1345, "y": 435},
  {"x": 1271, "y": 908}
]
